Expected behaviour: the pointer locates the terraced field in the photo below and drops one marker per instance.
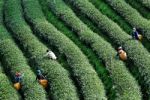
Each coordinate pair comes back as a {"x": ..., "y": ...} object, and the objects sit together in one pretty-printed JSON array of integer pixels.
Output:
[{"x": 84, "y": 35}]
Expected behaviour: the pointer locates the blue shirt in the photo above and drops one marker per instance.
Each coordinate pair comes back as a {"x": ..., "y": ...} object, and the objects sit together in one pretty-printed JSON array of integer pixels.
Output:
[{"x": 135, "y": 35}]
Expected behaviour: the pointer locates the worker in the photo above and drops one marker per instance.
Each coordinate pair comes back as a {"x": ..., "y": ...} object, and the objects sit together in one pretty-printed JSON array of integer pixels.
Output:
[
  {"x": 122, "y": 54},
  {"x": 18, "y": 78},
  {"x": 41, "y": 79},
  {"x": 39, "y": 75},
  {"x": 50, "y": 55},
  {"x": 136, "y": 35}
]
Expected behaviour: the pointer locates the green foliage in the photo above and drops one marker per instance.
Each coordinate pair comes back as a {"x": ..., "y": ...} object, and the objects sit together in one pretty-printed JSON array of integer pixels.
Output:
[
  {"x": 136, "y": 52},
  {"x": 93, "y": 59},
  {"x": 106, "y": 10},
  {"x": 90, "y": 85},
  {"x": 14, "y": 62},
  {"x": 61, "y": 86},
  {"x": 132, "y": 16},
  {"x": 125, "y": 84},
  {"x": 110, "y": 13},
  {"x": 7, "y": 90},
  {"x": 113, "y": 15},
  {"x": 146, "y": 3},
  {"x": 139, "y": 7},
  {"x": 87, "y": 81}
]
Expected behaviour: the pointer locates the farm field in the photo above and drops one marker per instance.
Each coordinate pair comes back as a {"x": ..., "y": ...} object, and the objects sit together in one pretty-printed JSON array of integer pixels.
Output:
[{"x": 85, "y": 62}]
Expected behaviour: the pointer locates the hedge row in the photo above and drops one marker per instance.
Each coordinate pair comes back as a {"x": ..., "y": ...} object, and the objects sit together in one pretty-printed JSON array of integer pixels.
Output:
[
  {"x": 140, "y": 8},
  {"x": 6, "y": 88},
  {"x": 97, "y": 63},
  {"x": 61, "y": 86},
  {"x": 136, "y": 52},
  {"x": 14, "y": 61},
  {"x": 131, "y": 15},
  {"x": 146, "y": 3},
  {"x": 125, "y": 84},
  {"x": 87, "y": 79},
  {"x": 2, "y": 29},
  {"x": 93, "y": 59},
  {"x": 110, "y": 13},
  {"x": 9, "y": 92}
]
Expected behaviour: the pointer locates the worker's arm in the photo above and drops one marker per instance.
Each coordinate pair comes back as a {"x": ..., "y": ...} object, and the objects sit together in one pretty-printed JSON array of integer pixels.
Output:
[
  {"x": 15, "y": 78},
  {"x": 133, "y": 35},
  {"x": 137, "y": 33},
  {"x": 43, "y": 76},
  {"x": 46, "y": 55},
  {"x": 21, "y": 76}
]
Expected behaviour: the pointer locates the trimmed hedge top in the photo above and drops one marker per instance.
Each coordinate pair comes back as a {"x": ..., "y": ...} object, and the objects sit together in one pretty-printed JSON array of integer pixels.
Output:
[
  {"x": 13, "y": 61},
  {"x": 146, "y": 3},
  {"x": 61, "y": 86},
  {"x": 7, "y": 90},
  {"x": 132, "y": 16},
  {"x": 136, "y": 52},
  {"x": 119, "y": 73},
  {"x": 87, "y": 79}
]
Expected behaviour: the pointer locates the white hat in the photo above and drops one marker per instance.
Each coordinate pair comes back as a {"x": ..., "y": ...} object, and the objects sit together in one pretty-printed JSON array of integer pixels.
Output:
[
  {"x": 119, "y": 48},
  {"x": 134, "y": 28}
]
